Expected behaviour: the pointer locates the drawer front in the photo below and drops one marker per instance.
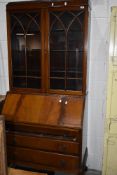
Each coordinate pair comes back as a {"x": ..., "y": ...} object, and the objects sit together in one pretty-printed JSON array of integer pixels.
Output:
[
  {"x": 43, "y": 143},
  {"x": 46, "y": 130},
  {"x": 57, "y": 161}
]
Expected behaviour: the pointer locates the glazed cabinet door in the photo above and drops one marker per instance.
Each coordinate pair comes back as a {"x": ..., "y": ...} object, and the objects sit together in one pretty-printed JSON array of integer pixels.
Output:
[
  {"x": 25, "y": 34},
  {"x": 66, "y": 50},
  {"x": 47, "y": 49}
]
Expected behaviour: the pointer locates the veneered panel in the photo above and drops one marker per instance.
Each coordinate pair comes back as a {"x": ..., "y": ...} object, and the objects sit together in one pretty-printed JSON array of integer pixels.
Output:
[
  {"x": 11, "y": 104},
  {"x": 73, "y": 112},
  {"x": 44, "y": 109}
]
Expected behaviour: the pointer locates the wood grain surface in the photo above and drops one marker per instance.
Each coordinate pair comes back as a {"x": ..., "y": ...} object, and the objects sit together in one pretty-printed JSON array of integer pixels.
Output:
[
  {"x": 2, "y": 148},
  {"x": 54, "y": 110},
  {"x": 12, "y": 171}
]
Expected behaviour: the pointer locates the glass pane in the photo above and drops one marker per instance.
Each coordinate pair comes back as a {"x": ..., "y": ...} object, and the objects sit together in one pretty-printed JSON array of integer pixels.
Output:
[
  {"x": 33, "y": 55},
  {"x": 57, "y": 84},
  {"x": 74, "y": 64},
  {"x": 66, "y": 48},
  {"x": 19, "y": 82},
  {"x": 74, "y": 84},
  {"x": 57, "y": 34},
  {"x": 26, "y": 48},
  {"x": 57, "y": 40},
  {"x": 33, "y": 82},
  {"x": 66, "y": 19},
  {"x": 57, "y": 51},
  {"x": 33, "y": 46},
  {"x": 18, "y": 55},
  {"x": 57, "y": 66},
  {"x": 75, "y": 32},
  {"x": 33, "y": 23},
  {"x": 75, "y": 41}
]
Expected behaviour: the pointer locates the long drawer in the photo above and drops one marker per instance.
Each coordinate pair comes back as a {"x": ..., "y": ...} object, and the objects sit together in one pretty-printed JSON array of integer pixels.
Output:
[
  {"x": 48, "y": 159},
  {"x": 44, "y": 129},
  {"x": 43, "y": 143}
]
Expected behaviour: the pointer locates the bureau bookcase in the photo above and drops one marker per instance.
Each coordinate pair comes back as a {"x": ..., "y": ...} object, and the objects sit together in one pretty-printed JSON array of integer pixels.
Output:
[{"x": 44, "y": 107}]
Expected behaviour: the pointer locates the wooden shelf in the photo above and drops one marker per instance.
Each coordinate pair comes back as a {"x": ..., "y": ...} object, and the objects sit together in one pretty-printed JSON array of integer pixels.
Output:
[
  {"x": 25, "y": 76},
  {"x": 65, "y": 78}
]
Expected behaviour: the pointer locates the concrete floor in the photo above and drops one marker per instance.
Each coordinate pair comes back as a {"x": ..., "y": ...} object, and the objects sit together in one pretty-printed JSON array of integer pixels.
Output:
[{"x": 93, "y": 173}]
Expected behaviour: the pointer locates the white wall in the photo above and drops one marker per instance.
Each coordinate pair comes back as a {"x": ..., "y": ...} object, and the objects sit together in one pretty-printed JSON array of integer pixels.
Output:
[
  {"x": 97, "y": 81},
  {"x": 99, "y": 43},
  {"x": 98, "y": 59},
  {"x": 3, "y": 51}
]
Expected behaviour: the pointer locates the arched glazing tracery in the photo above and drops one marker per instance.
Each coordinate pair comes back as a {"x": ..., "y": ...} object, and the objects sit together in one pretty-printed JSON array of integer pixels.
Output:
[
  {"x": 26, "y": 50},
  {"x": 66, "y": 47}
]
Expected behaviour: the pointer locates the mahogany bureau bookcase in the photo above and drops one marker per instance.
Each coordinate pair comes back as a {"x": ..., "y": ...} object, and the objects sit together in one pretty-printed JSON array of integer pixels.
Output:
[{"x": 47, "y": 71}]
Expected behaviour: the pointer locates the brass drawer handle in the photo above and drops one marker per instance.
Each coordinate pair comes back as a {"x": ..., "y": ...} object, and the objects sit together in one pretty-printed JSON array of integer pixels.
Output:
[
  {"x": 82, "y": 7},
  {"x": 65, "y": 4}
]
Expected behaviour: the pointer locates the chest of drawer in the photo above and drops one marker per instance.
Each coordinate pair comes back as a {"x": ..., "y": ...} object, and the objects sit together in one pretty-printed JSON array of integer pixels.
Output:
[
  {"x": 48, "y": 159},
  {"x": 44, "y": 143}
]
